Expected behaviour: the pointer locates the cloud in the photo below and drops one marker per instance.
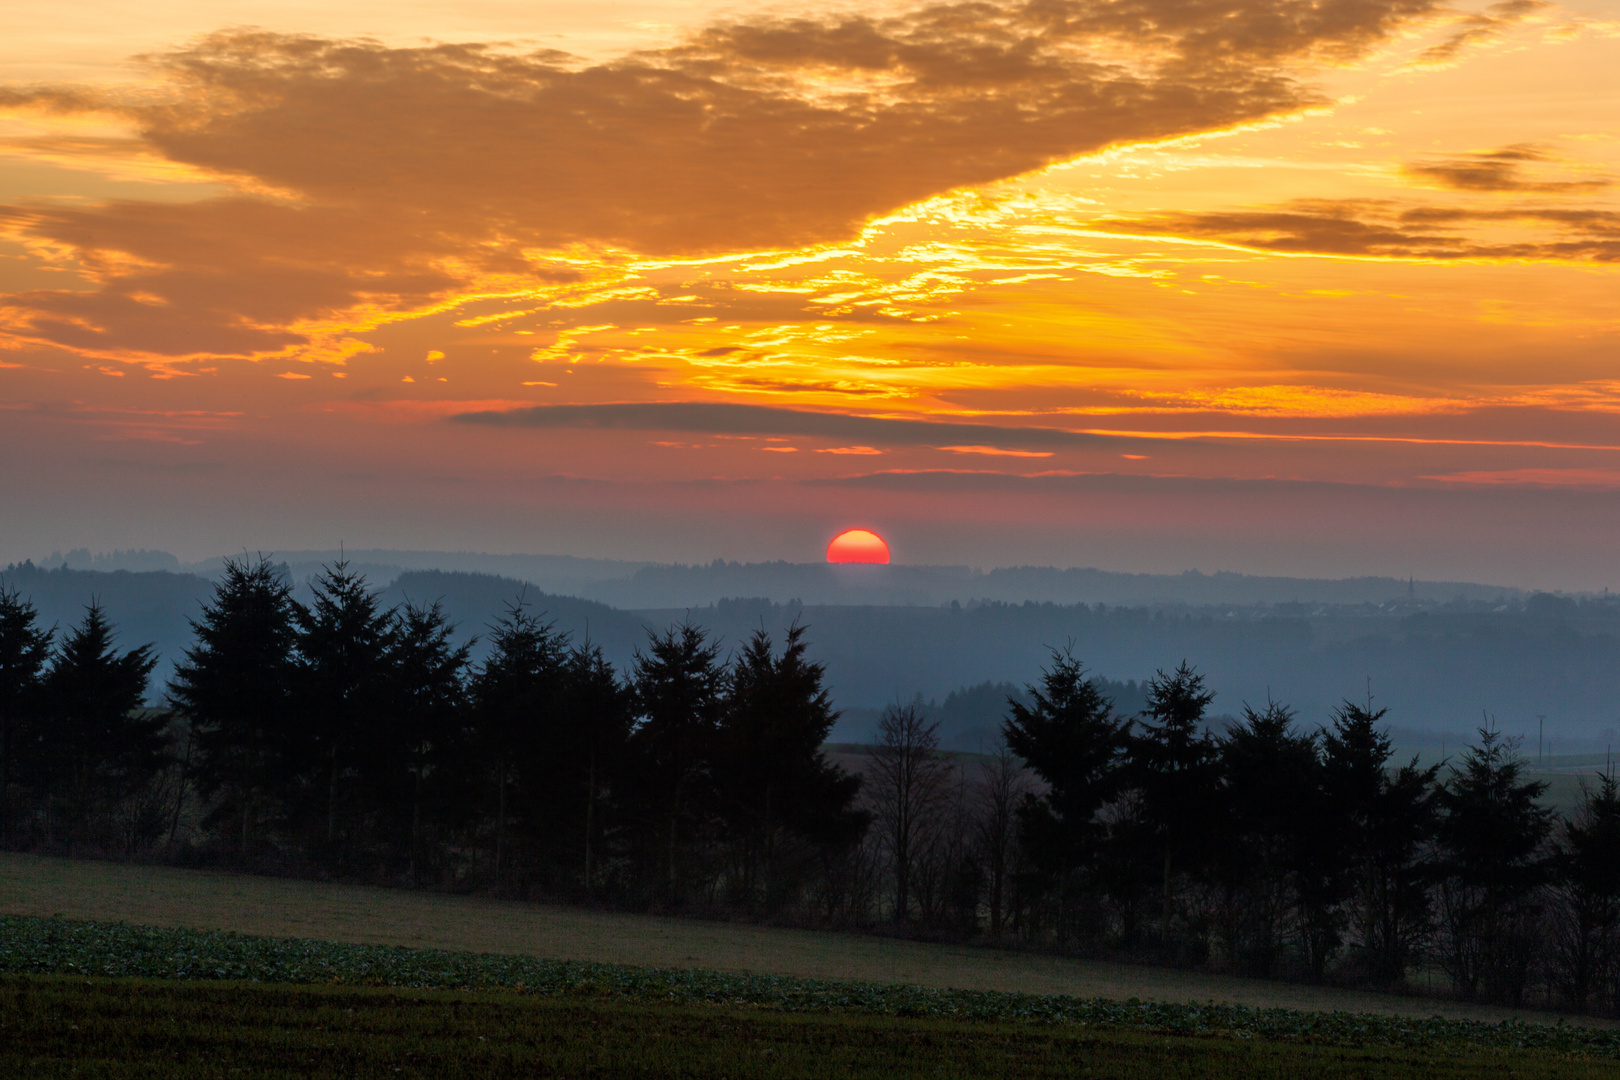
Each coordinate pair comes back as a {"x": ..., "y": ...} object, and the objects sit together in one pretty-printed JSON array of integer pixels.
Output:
[
  {"x": 723, "y": 418},
  {"x": 377, "y": 180},
  {"x": 1381, "y": 228},
  {"x": 1498, "y": 170},
  {"x": 1479, "y": 28},
  {"x": 1603, "y": 479}
]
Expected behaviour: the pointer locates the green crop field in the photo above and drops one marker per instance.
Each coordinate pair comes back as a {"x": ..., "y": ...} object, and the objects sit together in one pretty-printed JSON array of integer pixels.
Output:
[
  {"x": 53, "y": 1027},
  {"x": 158, "y": 896}
]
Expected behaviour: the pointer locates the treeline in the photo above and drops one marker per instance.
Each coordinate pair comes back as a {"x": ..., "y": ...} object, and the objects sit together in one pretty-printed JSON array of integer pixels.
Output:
[{"x": 344, "y": 739}]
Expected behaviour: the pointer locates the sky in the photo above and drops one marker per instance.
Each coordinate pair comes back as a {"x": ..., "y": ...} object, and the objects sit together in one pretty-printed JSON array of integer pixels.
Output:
[{"x": 1321, "y": 288}]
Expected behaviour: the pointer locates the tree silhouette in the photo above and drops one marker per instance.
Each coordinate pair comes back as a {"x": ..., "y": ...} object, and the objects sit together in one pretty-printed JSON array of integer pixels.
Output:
[
  {"x": 235, "y": 689},
  {"x": 427, "y": 671},
  {"x": 1492, "y": 838},
  {"x": 1374, "y": 841},
  {"x": 1071, "y": 739},
  {"x": 678, "y": 685},
  {"x": 1271, "y": 800},
  {"x": 772, "y": 780},
  {"x": 515, "y": 696},
  {"x": 102, "y": 751},
  {"x": 344, "y": 642},
  {"x": 1175, "y": 771},
  {"x": 907, "y": 784},
  {"x": 602, "y": 711},
  {"x": 24, "y": 648},
  {"x": 1588, "y": 863}
]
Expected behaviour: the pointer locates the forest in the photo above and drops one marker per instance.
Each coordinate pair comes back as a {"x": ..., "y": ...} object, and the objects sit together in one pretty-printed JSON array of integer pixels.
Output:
[{"x": 344, "y": 739}]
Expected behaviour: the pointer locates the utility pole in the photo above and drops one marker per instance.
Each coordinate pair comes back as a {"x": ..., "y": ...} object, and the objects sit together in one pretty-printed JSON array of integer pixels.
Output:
[{"x": 1540, "y": 722}]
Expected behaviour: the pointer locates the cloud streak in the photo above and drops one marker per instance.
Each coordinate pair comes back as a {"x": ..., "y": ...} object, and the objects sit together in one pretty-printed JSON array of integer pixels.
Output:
[
  {"x": 724, "y": 418},
  {"x": 1371, "y": 228}
]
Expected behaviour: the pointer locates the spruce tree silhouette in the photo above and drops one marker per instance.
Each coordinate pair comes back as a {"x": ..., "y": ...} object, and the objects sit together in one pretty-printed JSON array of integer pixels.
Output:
[
  {"x": 772, "y": 782},
  {"x": 601, "y": 708},
  {"x": 515, "y": 695},
  {"x": 678, "y": 686},
  {"x": 1175, "y": 771},
  {"x": 428, "y": 675},
  {"x": 1070, "y": 738},
  {"x": 24, "y": 649},
  {"x": 1271, "y": 800},
  {"x": 1373, "y": 847},
  {"x": 343, "y": 645},
  {"x": 1588, "y": 867},
  {"x": 234, "y": 689},
  {"x": 102, "y": 749},
  {"x": 1493, "y": 849}
]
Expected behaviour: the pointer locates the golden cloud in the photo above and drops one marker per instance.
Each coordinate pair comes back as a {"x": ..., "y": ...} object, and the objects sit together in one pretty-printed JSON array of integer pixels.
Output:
[{"x": 385, "y": 180}]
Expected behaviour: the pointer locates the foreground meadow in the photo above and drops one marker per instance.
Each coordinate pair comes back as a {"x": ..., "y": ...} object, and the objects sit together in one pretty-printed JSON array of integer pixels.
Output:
[
  {"x": 277, "y": 907},
  {"x": 116, "y": 1028}
]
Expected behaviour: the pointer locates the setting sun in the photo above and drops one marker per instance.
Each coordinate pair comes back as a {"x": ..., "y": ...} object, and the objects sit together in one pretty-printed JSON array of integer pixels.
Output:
[{"x": 857, "y": 546}]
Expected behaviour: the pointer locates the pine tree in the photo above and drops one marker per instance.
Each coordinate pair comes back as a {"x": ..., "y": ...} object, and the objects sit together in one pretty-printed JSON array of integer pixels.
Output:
[
  {"x": 772, "y": 781},
  {"x": 428, "y": 674},
  {"x": 1070, "y": 738},
  {"x": 99, "y": 749},
  {"x": 1588, "y": 870},
  {"x": 343, "y": 644},
  {"x": 678, "y": 684},
  {"x": 234, "y": 688},
  {"x": 515, "y": 697},
  {"x": 1373, "y": 846},
  {"x": 1493, "y": 842},
  {"x": 24, "y": 649},
  {"x": 1175, "y": 770},
  {"x": 602, "y": 709},
  {"x": 1271, "y": 796}
]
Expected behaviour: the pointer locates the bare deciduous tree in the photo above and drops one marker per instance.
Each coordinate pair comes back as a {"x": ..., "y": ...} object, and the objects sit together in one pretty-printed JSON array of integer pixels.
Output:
[
  {"x": 907, "y": 785},
  {"x": 1003, "y": 782}
]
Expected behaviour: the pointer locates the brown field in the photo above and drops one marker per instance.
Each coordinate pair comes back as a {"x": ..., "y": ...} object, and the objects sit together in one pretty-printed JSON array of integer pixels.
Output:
[{"x": 161, "y": 896}]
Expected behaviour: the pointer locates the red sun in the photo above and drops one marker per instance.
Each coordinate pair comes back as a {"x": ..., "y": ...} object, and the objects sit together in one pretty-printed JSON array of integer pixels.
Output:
[{"x": 857, "y": 546}]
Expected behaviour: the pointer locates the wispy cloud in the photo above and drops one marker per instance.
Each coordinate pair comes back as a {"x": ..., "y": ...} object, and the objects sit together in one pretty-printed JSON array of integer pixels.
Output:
[
  {"x": 1499, "y": 170},
  {"x": 1365, "y": 227},
  {"x": 724, "y": 418}
]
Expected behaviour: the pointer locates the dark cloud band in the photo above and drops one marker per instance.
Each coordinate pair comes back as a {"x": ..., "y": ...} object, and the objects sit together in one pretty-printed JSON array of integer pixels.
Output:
[{"x": 721, "y": 418}]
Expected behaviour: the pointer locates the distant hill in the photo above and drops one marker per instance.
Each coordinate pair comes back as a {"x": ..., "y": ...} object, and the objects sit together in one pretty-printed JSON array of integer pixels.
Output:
[
  {"x": 1443, "y": 667},
  {"x": 635, "y": 585}
]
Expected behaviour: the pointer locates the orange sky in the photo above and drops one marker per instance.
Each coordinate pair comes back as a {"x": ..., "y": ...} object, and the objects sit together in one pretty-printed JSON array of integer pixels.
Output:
[{"x": 1323, "y": 288}]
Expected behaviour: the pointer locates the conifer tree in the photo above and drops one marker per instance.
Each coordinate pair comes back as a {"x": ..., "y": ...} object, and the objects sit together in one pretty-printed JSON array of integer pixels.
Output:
[
  {"x": 1175, "y": 771},
  {"x": 1374, "y": 843},
  {"x": 603, "y": 712},
  {"x": 99, "y": 749},
  {"x": 678, "y": 684},
  {"x": 515, "y": 697},
  {"x": 428, "y": 674},
  {"x": 344, "y": 642},
  {"x": 1271, "y": 797},
  {"x": 24, "y": 649},
  {"x": 1493, "y": 843},
  {"x": 1588, "y": 866},
  {"x": 235, "y": 690},
  {"x": 1070, "y": 738},
  {"x": 772, "y": 781}
]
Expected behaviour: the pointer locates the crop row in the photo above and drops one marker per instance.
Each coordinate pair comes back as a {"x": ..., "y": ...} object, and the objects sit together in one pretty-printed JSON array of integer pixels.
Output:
[{"x": 119, "y": 950}]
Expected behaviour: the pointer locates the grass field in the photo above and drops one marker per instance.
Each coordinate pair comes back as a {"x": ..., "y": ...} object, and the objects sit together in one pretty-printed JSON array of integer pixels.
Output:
[
  {"x": 156, "y": 896},
  {"x": 187, "y": 1031}
]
